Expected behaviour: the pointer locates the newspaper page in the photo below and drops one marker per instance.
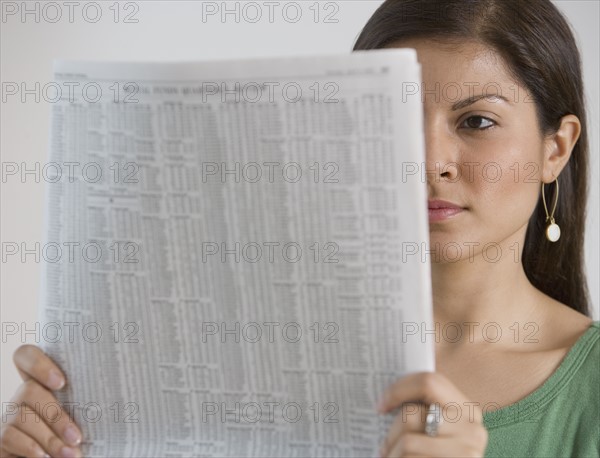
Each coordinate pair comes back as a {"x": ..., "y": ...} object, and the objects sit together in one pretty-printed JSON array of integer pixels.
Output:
[{"x": 232, "y": 260}]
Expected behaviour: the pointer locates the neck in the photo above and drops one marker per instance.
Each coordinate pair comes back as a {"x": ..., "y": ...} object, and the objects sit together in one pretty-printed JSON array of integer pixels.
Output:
[{"x": 477, "y": 294}]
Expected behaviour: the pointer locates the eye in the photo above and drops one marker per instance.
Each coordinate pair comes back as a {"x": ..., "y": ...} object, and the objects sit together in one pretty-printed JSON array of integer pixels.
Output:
[{"x": 474, "y": 122}]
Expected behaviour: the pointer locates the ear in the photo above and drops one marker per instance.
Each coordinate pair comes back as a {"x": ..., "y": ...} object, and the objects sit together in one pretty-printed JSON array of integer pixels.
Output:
[{"x": 559, "y": 146}]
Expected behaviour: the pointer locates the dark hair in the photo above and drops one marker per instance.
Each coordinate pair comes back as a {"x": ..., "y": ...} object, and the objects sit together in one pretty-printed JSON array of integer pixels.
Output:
[{"x": 540, "y": 51}]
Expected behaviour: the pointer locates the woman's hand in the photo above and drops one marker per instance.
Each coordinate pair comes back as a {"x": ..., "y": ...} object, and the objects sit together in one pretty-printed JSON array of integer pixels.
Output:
[
  {"x": 465, "y": 435},
  {"x": 34, "y": 424}
]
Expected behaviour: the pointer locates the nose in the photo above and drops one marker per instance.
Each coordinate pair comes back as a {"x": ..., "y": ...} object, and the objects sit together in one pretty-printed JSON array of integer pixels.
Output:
[{"x": 441, "y": 153}]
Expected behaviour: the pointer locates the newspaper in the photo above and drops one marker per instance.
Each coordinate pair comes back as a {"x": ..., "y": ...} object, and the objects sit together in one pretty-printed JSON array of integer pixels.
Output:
[{"x": 230, "y": 255}]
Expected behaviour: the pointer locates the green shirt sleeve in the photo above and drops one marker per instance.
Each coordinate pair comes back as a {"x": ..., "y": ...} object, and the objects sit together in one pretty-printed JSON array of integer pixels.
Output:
[{"x": 562, "y": 417}]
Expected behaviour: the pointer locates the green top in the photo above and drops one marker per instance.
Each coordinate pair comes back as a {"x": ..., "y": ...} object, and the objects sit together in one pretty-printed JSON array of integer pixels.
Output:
[{"x": 562, "y": 417}]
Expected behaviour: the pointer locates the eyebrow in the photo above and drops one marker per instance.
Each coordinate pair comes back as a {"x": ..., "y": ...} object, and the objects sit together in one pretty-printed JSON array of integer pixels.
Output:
[{"x": 471, "y": 100}]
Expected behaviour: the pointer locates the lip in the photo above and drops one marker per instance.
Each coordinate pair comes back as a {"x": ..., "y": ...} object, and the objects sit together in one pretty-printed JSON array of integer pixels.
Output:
[{"x": 440, "y": 210}]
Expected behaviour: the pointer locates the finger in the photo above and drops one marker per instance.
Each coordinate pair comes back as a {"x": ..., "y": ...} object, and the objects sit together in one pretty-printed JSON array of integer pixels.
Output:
[
  {"x": 16, "y": 442},
  {"x": 32, "y": 362},
  {"x": 5, "y": 454},
  {"x": 49, "y": 409},
  {"x": 406, "y": 420},
  {"x": 412, "y": 444},
  {"x": 30, "y": 423},
  {"x": 411, "y": 419}
]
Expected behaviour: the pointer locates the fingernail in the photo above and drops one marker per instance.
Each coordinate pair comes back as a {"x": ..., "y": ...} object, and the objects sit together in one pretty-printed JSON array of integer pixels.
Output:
[
  {"x": 55, "y": 380},
  {"x": 68, "y": 452},
  {"x": 72, "y": 435}
]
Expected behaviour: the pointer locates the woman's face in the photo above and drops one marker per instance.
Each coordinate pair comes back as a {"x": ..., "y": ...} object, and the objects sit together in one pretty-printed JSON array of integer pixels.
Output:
[{"x": 487, "y": 157}]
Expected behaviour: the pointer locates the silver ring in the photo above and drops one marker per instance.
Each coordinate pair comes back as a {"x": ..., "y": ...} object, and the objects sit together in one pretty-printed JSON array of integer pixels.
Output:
[{"x": 434, "y": 420}]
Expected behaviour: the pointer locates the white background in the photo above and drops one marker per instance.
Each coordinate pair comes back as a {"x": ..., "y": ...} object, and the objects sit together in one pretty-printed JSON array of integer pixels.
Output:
[{"x": 176, "y": 31}]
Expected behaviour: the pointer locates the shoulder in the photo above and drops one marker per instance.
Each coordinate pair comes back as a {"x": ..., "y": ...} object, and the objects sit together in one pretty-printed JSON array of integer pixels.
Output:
[
  {"x": 562, "y": 326},
  {"x": 573, "y": 343},
  {"x": 588, "y": 349},
  {"x": 583, "y": 362},
  {"x": 584, "y": 392},
  {"x": 570, "y": 329}
]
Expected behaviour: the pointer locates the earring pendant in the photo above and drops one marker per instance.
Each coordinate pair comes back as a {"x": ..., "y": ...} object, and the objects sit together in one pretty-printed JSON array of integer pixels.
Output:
[{"x": 553, "y": 231}]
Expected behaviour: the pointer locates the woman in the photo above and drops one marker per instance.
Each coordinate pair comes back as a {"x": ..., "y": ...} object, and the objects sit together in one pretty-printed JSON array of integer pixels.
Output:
[
  {"x": 486, "y": 158},
  {"x": 536, "y": 377}
]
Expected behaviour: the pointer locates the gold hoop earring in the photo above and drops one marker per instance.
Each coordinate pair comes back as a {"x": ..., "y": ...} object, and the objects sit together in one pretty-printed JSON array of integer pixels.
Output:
[{"x": 552, "y": 230}]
